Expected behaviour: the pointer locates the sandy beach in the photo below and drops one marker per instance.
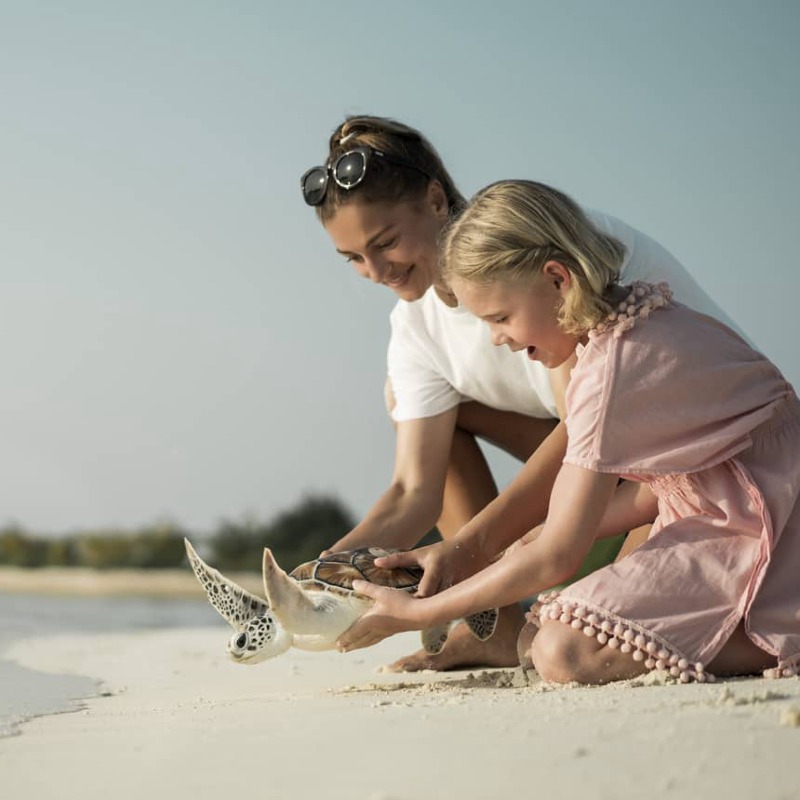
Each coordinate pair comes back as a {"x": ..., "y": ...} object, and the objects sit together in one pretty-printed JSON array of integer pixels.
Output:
[
  {"x": 177, "y": 719},
  {"x": 81, "y": 582}
]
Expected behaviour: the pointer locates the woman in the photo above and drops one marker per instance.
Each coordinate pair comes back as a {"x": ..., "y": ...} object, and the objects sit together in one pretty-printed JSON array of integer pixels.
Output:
[{"x": 384, "y": 197}]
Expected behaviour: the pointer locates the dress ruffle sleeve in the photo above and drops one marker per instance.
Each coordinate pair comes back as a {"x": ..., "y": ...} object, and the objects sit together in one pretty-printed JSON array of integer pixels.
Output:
[{"x": 678, "y": 393}]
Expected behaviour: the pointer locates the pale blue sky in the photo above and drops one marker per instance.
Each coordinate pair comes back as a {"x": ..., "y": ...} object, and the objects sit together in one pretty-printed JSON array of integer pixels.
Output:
[{"x": 178, "y": 336}]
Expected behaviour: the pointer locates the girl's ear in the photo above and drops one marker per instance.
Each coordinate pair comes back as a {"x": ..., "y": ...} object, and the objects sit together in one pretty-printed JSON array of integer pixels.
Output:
[{"x": 558, "y": 275}]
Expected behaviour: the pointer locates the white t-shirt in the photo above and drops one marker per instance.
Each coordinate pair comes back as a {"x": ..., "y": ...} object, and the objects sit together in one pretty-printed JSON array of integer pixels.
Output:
[{"x": 441, "y": 356}]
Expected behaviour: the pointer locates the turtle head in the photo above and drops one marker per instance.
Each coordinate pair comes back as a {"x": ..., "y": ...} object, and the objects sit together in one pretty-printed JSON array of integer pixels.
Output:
[
  {"x": 257, "y": 634},
  {"x": 262, "y": 638}
]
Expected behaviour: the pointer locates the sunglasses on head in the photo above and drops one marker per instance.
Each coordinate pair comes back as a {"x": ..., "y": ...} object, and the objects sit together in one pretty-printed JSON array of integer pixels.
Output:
[{"x": 347, "y": 170}]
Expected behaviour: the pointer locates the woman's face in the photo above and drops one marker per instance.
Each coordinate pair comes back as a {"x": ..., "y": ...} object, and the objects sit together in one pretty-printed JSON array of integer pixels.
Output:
[
  {"x": 523, "y": 316},
  {"x": 392, "y": 243}
]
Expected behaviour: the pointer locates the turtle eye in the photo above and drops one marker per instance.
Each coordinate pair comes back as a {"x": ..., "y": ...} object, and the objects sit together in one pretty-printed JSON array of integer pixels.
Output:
[{"x": 241, "y": 641}]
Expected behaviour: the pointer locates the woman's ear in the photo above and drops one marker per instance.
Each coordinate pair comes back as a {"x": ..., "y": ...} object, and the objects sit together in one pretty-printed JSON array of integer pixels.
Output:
[
  {"x": 437, "y": 201},
  {"x": 558, "y": 274}
]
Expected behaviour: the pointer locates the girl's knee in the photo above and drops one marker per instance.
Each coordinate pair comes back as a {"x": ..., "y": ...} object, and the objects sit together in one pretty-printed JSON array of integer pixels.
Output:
[{"x": 558, "y": 653}]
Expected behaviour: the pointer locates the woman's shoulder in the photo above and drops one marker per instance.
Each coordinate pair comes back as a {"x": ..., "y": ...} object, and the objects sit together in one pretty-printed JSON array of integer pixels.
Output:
[{"x": 646, "y": 259}]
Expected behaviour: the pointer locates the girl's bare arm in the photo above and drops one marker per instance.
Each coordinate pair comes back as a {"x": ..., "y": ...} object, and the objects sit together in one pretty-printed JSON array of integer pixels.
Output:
[{"x": 580, "y": 498}]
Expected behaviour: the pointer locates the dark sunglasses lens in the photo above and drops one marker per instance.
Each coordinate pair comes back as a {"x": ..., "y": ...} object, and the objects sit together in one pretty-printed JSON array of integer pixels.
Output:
[
  {"x": 315, "y": 181},
  {"x": 349, "y": 169}
]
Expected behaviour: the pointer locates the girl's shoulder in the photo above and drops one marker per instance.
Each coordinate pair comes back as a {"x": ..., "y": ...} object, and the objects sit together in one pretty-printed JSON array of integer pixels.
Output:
[
  {"x": 650, "y": 342},
  {"x": 657, "y": 386},
  {"x": 642, "y": 299}
]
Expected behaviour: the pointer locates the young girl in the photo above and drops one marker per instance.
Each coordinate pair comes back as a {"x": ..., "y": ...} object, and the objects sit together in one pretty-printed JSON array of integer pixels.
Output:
[
  {"x": 384, "y": 196},
  {"x": 670, "y": 399}
]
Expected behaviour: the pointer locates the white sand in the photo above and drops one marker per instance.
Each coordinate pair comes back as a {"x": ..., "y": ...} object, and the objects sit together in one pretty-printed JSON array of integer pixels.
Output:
[{"x": 180, "y": 721}]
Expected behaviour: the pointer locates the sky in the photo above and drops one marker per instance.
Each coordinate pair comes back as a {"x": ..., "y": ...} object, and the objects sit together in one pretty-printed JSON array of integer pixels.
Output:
[{"x": 179, "y": 338}]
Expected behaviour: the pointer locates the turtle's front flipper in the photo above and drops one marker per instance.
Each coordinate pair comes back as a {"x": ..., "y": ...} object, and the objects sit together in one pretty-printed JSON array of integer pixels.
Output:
[
  {"x": 482, "y": 624},
  {"x": 235, "y": 604},
  {"x": 433, "y": 639}
]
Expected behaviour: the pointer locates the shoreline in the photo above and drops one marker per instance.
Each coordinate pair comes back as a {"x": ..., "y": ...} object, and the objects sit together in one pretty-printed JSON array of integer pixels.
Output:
[
  {"x": 177, "y": 718},
  {"x": 27, "y": 692},
  {"x": 84, "y": 582},
  {"x": 39, "y": 695}
]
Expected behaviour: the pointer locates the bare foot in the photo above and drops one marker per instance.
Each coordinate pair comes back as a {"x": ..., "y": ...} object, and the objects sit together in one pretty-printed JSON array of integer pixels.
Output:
[
  {"x": 524, "y": 642},
  {"x": 463, "y": 650}
]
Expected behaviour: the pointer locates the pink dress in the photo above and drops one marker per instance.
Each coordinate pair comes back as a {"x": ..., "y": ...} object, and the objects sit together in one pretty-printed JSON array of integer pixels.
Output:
[{"x": 672, "y": 398}]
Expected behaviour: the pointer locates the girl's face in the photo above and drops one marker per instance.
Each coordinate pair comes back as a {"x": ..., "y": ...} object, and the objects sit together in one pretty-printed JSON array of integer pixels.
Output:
[
  {"x": 394, "y": 244},
  {"x": 523, "y": 315}
]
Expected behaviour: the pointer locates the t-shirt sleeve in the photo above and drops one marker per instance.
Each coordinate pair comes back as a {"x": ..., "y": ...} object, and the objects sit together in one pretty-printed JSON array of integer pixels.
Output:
[{"x": 420, "y": 390}]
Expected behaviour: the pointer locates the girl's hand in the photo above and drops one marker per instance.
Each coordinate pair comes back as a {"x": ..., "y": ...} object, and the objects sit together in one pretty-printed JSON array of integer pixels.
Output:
[
  {"x": 444, "y": 564},
  {"x": 394, "y": 611}
]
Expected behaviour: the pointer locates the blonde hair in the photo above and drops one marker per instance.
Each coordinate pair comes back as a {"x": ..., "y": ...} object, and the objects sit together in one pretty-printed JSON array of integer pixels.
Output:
[
  {"x": 511, "y": 229},
  {"x": 387, "y": 181}
]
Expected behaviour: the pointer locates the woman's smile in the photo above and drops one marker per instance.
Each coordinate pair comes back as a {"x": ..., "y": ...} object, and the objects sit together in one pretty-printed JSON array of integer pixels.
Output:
[{"x": 399, "y": 280}]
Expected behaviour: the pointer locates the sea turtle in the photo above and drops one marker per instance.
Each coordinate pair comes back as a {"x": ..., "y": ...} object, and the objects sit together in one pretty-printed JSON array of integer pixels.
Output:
[{"x": 313, "y": 605}]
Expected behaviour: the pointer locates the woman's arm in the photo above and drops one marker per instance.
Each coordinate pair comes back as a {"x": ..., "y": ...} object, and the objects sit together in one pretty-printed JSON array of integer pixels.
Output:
[
  {"x": 580, "y": 498},
  {"x": 632, "y": 505},
  {"x": 411, "y": 505},
  {"x": 522, "y": 505}
]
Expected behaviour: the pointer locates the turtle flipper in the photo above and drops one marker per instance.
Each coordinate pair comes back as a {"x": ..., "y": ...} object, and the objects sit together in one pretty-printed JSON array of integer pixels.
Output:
[
  {"x": 314, "y": 613},
  {"x": 289, "y": 603},
  {"x": 433, "y": 639},
  {"x": 234, "y": 604},
  {"x": 482, "y": 624}
]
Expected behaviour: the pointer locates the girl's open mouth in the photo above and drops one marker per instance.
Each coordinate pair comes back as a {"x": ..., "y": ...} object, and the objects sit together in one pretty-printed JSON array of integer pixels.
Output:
[{"x": 531, "y": 352}]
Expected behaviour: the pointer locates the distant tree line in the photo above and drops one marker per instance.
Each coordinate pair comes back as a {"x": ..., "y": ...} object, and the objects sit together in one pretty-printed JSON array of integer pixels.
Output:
[{"x": 295, "y": 535}]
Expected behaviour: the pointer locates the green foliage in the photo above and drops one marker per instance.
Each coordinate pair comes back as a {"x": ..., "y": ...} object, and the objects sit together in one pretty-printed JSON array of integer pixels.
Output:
[
  {"x": 159, "y": 546},
  {"x": 238, "y": 545},
  {"x": 295, "y": 535},
  {"x": 20, "y": 549},
  {"x": 155, "y": 546},
  {"x": 103, "y": 550},
  {"x": 301, "y": 533}
]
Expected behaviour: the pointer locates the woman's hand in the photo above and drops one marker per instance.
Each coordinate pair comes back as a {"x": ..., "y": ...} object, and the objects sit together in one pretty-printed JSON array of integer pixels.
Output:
[
  {"x": 444, "y": 564},
  {"x": 394, "y": 611}
]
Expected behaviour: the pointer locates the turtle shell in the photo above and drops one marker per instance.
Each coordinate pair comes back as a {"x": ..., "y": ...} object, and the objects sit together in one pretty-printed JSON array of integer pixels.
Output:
[{"x": 337, "y": 571}]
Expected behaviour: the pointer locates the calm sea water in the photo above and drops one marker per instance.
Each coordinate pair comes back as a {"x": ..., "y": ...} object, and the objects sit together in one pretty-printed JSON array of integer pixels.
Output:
[{"x": 25, "y": 693}]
